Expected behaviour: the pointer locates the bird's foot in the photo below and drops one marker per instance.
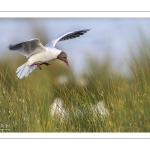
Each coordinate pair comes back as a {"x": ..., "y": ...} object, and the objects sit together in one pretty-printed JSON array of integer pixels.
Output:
[{"x": 38, "y": 65}]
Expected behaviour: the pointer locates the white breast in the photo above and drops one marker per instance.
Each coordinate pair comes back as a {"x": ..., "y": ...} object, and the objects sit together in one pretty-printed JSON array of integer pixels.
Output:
[{"x": 47, "y": 56}]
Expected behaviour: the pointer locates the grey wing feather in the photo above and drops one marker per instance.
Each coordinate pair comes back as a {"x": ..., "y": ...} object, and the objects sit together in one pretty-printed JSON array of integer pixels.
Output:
[
  {"x": 66, "y": 36},
  {"x": 28, "y": 48}
]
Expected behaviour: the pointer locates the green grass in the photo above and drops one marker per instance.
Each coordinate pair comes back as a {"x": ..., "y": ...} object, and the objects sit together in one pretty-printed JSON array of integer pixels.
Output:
[{"x": 25, "y": 105}]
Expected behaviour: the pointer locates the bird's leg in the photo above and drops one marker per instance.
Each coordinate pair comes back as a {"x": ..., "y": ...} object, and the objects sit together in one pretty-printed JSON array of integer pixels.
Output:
[
  {"x": 47, "y": 64},
  {"x": 37, "y": 65}
]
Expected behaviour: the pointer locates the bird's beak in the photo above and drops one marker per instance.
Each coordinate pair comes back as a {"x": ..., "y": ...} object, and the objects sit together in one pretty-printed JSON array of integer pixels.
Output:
[{"x": 66, "y": 61}]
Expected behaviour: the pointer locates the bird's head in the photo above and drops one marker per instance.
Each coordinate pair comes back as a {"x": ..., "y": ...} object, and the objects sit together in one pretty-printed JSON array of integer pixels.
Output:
[{"x": 63, "y": 57}]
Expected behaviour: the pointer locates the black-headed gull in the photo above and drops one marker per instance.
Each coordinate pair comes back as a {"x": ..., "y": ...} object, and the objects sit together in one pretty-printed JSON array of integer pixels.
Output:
[{"x": 38, "y": 54}]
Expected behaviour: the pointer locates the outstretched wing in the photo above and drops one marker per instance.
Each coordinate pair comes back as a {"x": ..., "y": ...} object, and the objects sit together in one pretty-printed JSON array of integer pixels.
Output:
[
  {"x": 28, "y": 48},
  {"x": 66, "y": 36}
]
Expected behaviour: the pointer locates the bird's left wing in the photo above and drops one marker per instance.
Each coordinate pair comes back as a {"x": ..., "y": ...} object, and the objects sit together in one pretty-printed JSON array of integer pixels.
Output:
[
  {"x": 66, "y": 36},
  {"x": 28, "y": 48}
]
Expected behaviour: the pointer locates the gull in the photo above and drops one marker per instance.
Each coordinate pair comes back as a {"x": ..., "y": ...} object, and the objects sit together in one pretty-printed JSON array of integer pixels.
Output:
[{"x": 38, "y": 54}]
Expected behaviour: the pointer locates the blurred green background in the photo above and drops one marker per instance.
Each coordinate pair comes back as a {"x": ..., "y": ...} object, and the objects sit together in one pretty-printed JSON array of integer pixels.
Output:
[{"x": 105, "y": 89}]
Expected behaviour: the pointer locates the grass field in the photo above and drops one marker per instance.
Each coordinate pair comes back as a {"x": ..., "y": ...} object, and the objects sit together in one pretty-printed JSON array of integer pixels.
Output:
[{"x": 26, "y": 105}]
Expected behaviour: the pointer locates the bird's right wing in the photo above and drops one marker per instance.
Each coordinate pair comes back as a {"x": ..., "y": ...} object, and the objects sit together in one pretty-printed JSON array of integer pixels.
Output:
[
  {"x": 28, "y": 48},
  {"x": 66, "y": 36}
]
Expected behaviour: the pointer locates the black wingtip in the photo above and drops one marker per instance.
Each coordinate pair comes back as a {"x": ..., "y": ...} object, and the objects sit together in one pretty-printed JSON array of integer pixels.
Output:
[
  {"x": 87, "y": 29},
  {"x": 10, "y": 47}
]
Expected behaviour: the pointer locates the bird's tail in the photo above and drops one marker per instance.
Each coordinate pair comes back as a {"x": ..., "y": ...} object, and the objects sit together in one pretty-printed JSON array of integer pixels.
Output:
[{"x": 24, "y": 70}]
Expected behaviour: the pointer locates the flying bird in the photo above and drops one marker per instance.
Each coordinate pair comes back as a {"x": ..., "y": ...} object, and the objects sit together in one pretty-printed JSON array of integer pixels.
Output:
[{"x": 38, "y": 54}]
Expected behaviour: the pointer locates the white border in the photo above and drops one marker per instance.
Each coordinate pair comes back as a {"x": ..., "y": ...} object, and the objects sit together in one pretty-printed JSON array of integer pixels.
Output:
[
  {"x": 59, "y": 135},
  {"x": 72, "y": 14},
  {"x": 75, "y": 5}
]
